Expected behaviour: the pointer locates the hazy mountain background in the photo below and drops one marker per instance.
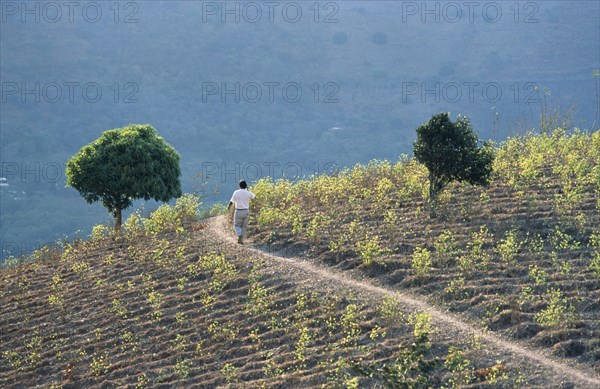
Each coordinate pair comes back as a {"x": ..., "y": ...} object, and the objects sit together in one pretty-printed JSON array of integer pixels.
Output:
[{"x": 346, "y": 83}]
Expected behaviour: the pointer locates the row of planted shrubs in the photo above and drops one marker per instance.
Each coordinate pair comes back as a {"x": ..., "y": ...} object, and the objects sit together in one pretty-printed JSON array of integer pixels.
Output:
[
  {"x": 177, "y": 218},
  {"x": 521, "y": 162},
  {"x": 167, "y": 218}
]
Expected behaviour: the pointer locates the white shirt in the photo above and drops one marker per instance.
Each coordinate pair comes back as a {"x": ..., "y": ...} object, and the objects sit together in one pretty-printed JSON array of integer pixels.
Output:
[{"x": 241, "y": 198}]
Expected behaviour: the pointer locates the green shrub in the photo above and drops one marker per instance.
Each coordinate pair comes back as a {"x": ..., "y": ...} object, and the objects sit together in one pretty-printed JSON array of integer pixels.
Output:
[
  {"x": 100, "y": 231},
  {"x": 421, "y": 262},
  {"x": 595, "y": 264},
  {"x": 559, "y": 310},
  {"x": 134, "y": 224},
  {"x": 446, "y": 247},
  {"x": 421, "y": 322},
  {"x": 174, "y": 218},
  {"x": 508, "y": 247},
  {"x": 369, "y": 248},
  {"x": 187, "y": 209},
  {"x": 217, "y": 209},
  {"x": 390, "y": 311}
]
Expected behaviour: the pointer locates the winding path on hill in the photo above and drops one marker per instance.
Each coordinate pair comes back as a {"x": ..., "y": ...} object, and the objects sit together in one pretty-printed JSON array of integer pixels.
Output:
[{"x": 301, "y": 269}]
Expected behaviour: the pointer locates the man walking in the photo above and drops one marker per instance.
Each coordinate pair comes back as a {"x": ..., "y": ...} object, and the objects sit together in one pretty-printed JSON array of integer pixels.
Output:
[{"x": 241, "y": 199}]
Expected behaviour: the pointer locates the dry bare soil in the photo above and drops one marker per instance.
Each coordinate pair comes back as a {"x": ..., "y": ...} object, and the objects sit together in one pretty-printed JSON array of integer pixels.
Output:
[{"x": 197, "y": 310}]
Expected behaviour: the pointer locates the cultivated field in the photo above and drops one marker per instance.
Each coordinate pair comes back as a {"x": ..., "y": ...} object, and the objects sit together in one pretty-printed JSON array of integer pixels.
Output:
[{"x": 347, "y": 283}]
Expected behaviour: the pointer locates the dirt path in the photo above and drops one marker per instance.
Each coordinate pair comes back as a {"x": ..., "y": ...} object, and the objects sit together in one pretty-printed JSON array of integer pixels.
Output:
[{"x": 300, "y": 269}]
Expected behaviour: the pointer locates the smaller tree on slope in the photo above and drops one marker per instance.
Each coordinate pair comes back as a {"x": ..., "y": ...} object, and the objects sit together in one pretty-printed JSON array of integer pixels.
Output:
[
  {"x": 451, "y": 152},
  {"x": 125, "y": 164}
]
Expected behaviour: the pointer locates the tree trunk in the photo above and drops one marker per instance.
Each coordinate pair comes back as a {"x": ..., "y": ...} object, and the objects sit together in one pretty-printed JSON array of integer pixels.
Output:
[{"x": 117, "y": 219}]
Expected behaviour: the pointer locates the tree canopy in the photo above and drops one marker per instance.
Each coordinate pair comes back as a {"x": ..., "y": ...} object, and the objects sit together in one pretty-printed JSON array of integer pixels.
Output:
[
  {"x": 451, "y": 151},
  {"x": 125, "y": 164}
]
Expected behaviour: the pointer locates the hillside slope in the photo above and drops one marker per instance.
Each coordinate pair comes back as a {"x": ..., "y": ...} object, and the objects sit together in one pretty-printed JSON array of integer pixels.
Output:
[
  {"x": 175, "y": 303},
  {"x": 443, "y": 322},
  {"x": 195, "y": 310},
  {"x": 522, "y": 257}
]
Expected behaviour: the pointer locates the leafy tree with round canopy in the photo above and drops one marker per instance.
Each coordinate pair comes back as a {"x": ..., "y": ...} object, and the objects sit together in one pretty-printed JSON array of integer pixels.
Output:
[
  {"x": 125, "y": 164},
  {"x": 451, "y": 151}
]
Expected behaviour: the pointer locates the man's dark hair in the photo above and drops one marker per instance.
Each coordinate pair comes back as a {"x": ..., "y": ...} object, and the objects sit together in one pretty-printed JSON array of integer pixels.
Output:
[{"x": 243, "y": 184}]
